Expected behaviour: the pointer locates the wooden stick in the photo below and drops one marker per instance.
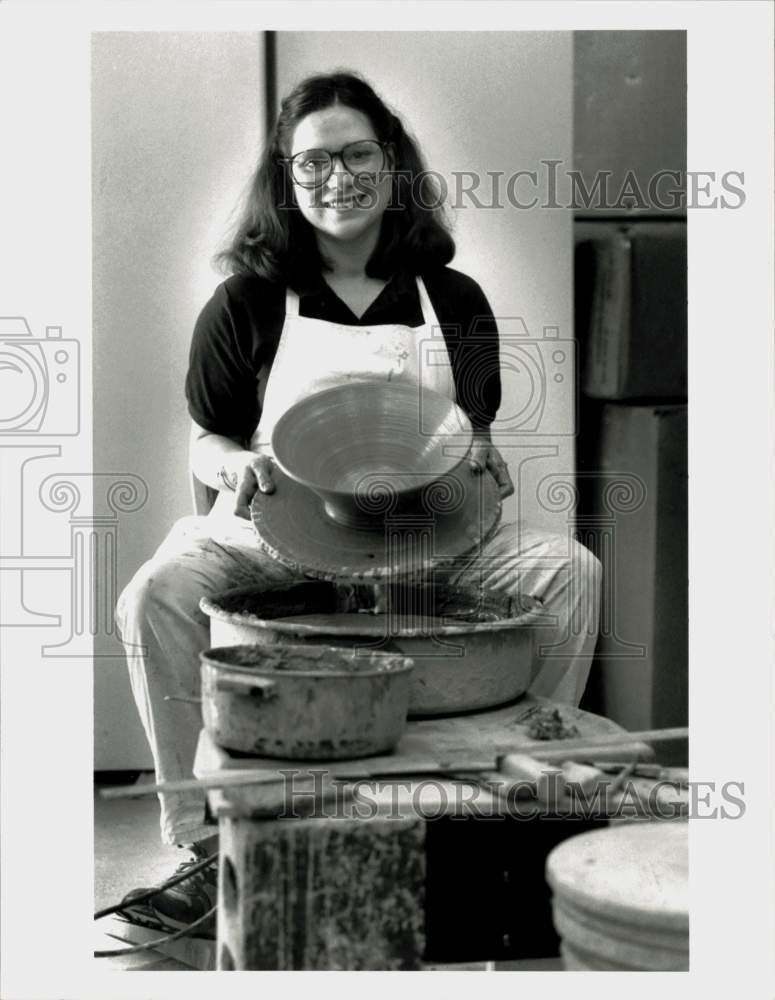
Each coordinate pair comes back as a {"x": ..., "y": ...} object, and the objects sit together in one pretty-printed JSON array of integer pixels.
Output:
[
  {"x": 621, "y": 777},
  {"x": 547, "y": 750},
  {"x": 299, "y": 769}
]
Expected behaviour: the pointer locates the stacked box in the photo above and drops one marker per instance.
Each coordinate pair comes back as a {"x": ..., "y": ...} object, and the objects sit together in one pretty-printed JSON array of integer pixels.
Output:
[
  {"x": 636, "y": 522},
  {"x": 631, "y": 309}
]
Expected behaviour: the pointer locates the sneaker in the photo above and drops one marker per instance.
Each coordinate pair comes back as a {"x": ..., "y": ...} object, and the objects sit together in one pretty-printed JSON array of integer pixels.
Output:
[{"x": 180, "y": 905}]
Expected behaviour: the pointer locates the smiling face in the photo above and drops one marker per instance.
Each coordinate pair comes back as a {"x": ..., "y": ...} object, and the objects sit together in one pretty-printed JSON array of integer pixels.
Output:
[{"x": 343, "y": 208}]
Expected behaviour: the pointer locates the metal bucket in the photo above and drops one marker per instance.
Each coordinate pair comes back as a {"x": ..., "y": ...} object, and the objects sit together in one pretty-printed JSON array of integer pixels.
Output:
[
  {"x": 472, "y": 649},
  {"x": 304, "y": 702}
]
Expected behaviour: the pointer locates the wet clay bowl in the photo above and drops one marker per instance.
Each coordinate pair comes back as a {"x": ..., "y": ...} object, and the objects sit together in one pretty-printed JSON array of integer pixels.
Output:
[
  {"x": 369, "y": 449},
  {"x": 305, "y": 702},
  {"x": 472, "y": 649}
]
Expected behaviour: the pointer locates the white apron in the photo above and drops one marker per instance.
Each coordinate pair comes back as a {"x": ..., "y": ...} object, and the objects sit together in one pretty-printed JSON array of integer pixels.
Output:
[{"x": 314, "y": 354}]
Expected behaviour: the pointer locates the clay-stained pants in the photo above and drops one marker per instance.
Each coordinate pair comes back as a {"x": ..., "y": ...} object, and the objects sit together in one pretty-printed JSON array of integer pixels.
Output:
[{"x": 164, "y": 630}]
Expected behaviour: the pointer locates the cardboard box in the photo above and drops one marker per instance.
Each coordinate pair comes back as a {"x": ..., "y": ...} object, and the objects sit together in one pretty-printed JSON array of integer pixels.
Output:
[
  {"x": 631, "y": 309},
  {"x": 635, "y": 518}
]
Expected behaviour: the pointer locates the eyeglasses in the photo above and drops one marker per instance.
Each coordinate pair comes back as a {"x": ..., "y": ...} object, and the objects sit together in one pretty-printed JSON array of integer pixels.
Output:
[{"x": 312, "y": 167}]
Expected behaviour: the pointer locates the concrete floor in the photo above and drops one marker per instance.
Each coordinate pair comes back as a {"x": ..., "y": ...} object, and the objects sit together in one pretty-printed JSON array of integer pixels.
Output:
[{"x": 128, "y": 853}]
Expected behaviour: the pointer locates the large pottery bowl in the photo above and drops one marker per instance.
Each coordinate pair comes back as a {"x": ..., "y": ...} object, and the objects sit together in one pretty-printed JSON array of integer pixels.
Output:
[{"x": 371, "y": 448}]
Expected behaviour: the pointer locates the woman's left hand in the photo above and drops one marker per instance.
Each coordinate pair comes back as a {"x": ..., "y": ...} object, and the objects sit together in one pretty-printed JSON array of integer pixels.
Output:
[{"x": 484, "y": 455}]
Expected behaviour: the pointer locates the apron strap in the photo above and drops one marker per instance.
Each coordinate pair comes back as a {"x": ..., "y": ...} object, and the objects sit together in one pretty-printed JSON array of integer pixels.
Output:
[
  {"x": 291, "y": 302},
  {"x": 428, "y": 312}
]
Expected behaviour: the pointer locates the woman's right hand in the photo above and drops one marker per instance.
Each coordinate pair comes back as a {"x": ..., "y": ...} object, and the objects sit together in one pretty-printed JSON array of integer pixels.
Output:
[{"x": 256, "y": 475}]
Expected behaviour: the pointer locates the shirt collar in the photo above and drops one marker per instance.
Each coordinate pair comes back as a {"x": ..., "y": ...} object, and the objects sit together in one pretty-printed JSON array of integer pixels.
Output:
[{"x": 314, "y": 285}]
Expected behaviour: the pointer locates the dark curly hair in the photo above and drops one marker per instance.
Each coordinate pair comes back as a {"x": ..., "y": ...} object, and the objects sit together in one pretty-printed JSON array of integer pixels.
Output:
[{"x": 275, "y": 241}]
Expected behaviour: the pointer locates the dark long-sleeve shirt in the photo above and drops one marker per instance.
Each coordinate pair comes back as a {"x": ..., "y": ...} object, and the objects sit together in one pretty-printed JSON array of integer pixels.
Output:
[{"x": 238, "y": 330}]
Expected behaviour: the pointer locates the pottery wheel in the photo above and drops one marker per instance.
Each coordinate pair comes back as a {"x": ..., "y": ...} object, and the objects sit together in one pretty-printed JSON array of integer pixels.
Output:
[{"x": 293, "y": 527}]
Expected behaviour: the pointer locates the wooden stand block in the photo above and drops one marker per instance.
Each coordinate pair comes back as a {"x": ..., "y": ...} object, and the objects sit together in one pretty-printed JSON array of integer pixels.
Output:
[{"x": 324, "y": 894}]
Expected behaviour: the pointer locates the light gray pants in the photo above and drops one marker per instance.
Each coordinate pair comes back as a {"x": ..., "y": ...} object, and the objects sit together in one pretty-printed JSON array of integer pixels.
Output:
[{"x": 164, "y": 630}]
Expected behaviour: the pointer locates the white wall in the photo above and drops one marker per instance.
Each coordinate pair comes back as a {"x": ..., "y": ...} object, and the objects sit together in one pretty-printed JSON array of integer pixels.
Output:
[
  {"x": 177, "y": 121},
  {"x": 486, "y": 102}
]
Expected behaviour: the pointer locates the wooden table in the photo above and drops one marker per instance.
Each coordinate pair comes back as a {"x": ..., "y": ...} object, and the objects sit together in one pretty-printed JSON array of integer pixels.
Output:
[{"x": 355, "y": 875}]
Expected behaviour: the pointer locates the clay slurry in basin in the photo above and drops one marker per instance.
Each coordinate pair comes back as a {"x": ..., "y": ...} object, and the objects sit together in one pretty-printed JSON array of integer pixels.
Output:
[
  {"x": 367, "y": 623},
  {"x": 325, "y": 603},
  {"x": 312, "y": 659},
  {"x": 472, "y": 649}
]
